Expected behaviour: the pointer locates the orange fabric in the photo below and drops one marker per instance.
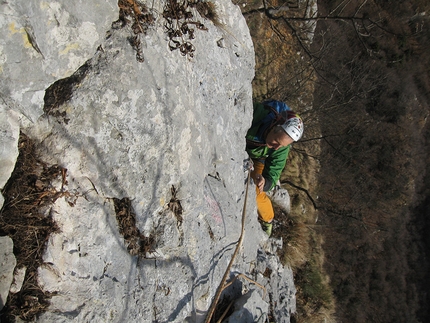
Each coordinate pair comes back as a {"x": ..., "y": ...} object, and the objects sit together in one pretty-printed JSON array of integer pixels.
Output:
[{"x": 264, "y": 205}]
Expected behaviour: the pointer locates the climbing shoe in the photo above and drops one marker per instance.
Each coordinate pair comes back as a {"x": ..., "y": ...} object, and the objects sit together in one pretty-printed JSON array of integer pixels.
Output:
[{"x": 267, "y": 227}]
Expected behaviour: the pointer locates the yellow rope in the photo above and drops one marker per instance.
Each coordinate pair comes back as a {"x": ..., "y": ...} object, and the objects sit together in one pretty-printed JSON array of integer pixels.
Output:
[{"x": 236, "y": 251}]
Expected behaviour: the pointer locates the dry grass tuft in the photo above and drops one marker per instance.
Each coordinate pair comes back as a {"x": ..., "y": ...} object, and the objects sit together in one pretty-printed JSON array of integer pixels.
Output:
[
  {"x": 301, "y": 251},
  {"x": 137, "y": 244},
  {"x": 137, "y": 15},
  {"x": 208, "y": 11},
  {"x": 175, "y": 206},
  {"x": 25, "y": 217},
  {"x": 295, "y": 237}
]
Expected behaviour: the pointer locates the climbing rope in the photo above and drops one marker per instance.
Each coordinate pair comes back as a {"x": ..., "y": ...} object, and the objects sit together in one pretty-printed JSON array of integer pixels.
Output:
[{"x": 221, "y": 286}]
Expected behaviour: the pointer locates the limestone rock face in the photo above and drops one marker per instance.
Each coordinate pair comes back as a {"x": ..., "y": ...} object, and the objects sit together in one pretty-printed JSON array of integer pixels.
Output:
[
  {"x": 42, "y": 41},
  {"x": 9, "y": 135},
  {"x": 7, "y": 265},
  {"x": 245, "y": 306},
  {"x": 153, "y": 147}
]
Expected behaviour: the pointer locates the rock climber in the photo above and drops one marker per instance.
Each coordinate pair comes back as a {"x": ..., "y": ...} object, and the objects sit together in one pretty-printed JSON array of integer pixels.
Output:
[{"x": 274, "y": 128}]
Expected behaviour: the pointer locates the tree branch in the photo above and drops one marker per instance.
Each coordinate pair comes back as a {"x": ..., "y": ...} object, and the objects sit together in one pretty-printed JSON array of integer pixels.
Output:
[{"x": 303, "y": 190}]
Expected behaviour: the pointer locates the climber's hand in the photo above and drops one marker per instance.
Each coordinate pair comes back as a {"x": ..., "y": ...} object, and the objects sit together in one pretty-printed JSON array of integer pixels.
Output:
[{"x": 259, "y": 181}]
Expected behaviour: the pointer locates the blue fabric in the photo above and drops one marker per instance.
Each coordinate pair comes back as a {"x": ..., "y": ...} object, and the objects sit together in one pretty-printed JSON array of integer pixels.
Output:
[{"x": 278, "y": 106}]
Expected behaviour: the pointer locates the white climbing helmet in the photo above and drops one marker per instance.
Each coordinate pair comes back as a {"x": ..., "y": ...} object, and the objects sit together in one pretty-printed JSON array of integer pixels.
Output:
[{"x": 294, "y": 127}]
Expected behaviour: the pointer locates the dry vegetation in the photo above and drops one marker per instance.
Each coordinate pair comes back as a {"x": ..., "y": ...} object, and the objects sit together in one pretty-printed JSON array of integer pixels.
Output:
[
  {"x": 25, "y": 217},
  {"x": 181, "y": 19},
  {"x": 375, "y": 162},
  {"x": 137, "y": 243},
  {"x": 361, "y": 219}
]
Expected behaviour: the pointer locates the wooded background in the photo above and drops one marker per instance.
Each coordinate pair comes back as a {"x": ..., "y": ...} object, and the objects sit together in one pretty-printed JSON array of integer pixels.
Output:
[{"x": 363, "y": 88}]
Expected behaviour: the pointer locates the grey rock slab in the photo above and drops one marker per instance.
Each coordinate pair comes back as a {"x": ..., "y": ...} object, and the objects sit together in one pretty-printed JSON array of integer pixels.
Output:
[
  {"x": 42, "y": 41},
  {"x": 281, "y": 198},
  {"x": 135, "y": 130},
  {"x": 9, "y": 135},
  {"x": 280, "y": 283},
  {"x": 18, "y": 279},
  {"x": 7, "y": 266},
  {"x": 250, "y": 307}
]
